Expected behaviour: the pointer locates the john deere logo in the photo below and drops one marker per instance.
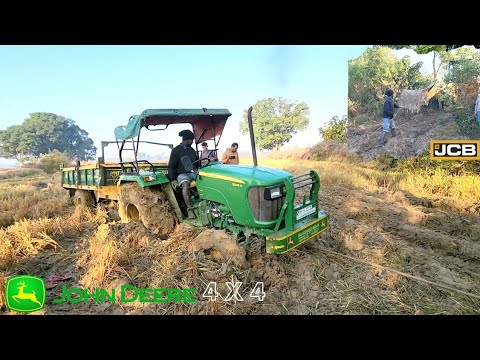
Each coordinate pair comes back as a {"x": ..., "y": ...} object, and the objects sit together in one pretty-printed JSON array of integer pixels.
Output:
[
  {"x": 25, "y": 293},
  {"x": 454, "y": 149}
]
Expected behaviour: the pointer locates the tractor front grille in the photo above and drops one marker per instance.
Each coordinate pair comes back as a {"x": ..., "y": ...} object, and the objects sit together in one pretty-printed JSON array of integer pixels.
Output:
[{"x": 264, "y": 210}]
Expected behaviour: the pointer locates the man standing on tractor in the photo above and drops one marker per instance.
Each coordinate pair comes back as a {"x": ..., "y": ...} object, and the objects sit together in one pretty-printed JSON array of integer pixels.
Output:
[
  {"x": 230, "y": 156},
  {"x": 177, "y": 171}
]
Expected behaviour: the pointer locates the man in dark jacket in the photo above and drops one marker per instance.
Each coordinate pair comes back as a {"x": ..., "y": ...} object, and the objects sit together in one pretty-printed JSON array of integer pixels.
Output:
[
  {"x": 177, "y": 171},
  {"x": 388, "y": 115}
]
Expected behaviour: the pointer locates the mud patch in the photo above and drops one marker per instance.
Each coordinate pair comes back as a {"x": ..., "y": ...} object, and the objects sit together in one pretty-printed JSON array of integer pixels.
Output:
[
  {"x": 225, "y": 247},
  {"x": 267, "y": 268}
]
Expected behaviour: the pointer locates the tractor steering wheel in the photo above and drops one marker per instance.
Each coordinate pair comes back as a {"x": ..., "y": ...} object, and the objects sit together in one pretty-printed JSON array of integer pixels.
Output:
[{"x": 208, "y": 159}]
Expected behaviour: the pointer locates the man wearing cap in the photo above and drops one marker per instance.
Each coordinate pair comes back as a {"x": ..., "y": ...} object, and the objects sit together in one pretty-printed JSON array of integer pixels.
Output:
[
  {"x": 176, "y": 170},
  {"x": 389, "y": 107}
]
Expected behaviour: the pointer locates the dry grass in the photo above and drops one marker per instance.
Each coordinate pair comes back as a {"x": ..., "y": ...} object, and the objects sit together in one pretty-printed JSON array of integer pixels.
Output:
[
  {"x": 2, "y": 295},
  {"x": 463, "y": 191},
  {"x": 299, "y": 153},
  {"x": 383, "y": 275},
  {"x": 99, "y": 259},
  {"x": 117, "y": 255},
  {"x": 31, "y": 197},
  {"x": 327, "y": 150},
  {"x": 461, "y": 187},
  {"x": 27, "y": 238},
  {"x": 16, "y": 173},
  {"x": 371, "y": 282}
]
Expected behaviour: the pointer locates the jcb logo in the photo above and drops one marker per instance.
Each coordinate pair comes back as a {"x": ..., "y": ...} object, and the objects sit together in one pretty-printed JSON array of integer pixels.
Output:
[{"x": 454, "y": 149}]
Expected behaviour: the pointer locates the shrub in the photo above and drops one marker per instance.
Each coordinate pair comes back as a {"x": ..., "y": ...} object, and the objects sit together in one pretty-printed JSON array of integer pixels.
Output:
[
  {"x": 336, "y": 129},
  {"x": 51, "y": 162}
]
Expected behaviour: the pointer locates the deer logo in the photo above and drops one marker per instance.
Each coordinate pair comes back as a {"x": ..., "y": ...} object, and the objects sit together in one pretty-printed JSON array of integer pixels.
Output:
[
  {"x": 23, "y": 295},
  {"x": 25, "y": 301}
]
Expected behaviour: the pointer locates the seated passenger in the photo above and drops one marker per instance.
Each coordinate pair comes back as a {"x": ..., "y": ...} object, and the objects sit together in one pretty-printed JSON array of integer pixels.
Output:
[
  {"x": 206, "y": 154},
  {"x": 230, "y": 156}
]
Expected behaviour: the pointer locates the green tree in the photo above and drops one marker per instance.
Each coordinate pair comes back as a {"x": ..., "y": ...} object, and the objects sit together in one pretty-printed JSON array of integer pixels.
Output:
[
  {"x": 441, "y": 53},
  {"x": 425, "y": 49},
  {"x": 10, "y": 141},
  {"x": 336, "y": 129},
  {"x": 275, "y": 121},
  {"x": 463, "y": 77},
  {"x": 42, "y": 133},
  {"x": 462, "y": 71},
  {"x": 464, "y": 68}
]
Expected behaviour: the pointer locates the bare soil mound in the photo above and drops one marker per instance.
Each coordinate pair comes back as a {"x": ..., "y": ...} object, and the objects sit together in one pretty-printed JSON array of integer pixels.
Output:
[
  {"x": 414, "y": 132},
  {"x": 221, "y": 246}
]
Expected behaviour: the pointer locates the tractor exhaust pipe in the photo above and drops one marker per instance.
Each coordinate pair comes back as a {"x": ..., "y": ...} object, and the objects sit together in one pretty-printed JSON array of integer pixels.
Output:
[{"x": 252, "y": 137}]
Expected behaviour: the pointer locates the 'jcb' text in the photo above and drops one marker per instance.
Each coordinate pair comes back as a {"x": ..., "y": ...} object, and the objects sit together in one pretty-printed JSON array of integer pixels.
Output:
[{"x": 454, "y": 149}]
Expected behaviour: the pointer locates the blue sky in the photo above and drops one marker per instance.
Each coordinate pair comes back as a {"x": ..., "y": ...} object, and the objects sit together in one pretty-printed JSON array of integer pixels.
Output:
[{"x": 99, "y": 87}]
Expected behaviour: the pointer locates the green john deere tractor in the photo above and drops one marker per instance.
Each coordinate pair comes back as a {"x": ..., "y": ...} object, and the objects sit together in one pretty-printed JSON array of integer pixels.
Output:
[{"x": 249, "y": 201}]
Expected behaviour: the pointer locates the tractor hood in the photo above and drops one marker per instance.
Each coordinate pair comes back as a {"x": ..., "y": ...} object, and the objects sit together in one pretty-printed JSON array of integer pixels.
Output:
[{"x": 254, "y": 175}]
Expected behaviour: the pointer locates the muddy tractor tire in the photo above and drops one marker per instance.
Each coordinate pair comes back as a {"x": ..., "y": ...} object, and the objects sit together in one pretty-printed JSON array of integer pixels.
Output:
[
  {"x": 148, "y": 205},
  {"x": 83, "y": 199}
]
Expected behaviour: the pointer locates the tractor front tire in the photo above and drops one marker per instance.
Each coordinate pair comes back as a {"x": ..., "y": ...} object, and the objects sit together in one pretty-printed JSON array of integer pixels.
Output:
[{"x": 148, "y": 205}]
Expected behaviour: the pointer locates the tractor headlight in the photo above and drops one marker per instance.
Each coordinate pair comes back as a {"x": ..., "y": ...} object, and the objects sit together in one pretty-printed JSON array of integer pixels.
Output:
[{"x": 272, "y": 193}]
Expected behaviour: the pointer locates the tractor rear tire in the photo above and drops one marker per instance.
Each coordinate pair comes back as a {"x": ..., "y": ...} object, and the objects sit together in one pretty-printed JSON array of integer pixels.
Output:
[
  {"x": 83, "y": 199},
  {"x": 148, "y": 205}
]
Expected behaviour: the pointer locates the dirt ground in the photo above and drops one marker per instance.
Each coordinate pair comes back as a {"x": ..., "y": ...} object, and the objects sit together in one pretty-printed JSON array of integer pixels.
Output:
[
  {"x": 414, "y": 132},
  {"x": 385, "y": 253}
]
